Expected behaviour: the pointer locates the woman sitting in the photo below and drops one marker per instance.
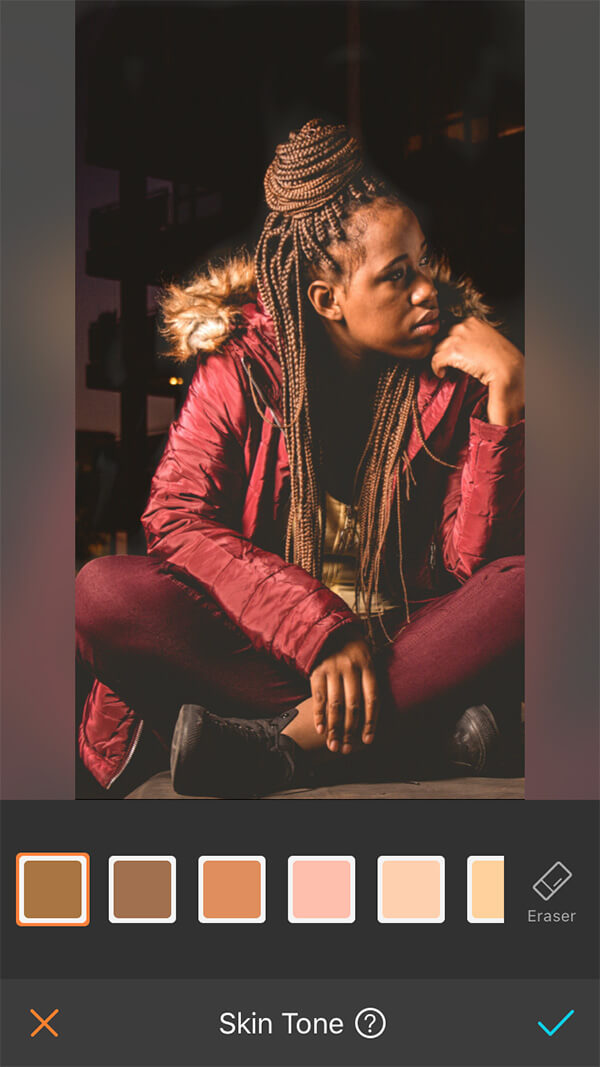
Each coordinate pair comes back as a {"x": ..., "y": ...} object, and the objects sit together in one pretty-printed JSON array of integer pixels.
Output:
[{"x": 335, "y": 527}]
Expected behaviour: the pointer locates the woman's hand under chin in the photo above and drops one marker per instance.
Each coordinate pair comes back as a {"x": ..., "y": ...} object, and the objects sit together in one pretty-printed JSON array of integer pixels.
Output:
[{"x": 476, "y": 348}]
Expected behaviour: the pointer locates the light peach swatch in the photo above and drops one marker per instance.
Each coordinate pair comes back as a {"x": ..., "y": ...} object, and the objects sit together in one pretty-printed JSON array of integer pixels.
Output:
[{"x": 411, "y": 889}]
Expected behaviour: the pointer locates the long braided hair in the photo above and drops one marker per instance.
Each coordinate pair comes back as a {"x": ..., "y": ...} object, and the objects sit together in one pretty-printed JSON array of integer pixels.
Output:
[{"x": 313, "y": 187}]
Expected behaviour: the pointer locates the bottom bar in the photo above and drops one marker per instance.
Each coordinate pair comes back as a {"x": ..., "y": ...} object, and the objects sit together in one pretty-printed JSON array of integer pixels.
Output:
[{"x": 156, "y": 1023}]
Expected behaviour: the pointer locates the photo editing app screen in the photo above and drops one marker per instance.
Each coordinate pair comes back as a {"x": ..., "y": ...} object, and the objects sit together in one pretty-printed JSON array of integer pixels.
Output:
[{"x": 300, "y": 687}]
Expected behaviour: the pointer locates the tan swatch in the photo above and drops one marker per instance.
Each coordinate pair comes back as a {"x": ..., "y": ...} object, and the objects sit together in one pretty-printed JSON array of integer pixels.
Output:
[
  {"x": 232, "y": 889},
  {"x": 52, "y": 888}
]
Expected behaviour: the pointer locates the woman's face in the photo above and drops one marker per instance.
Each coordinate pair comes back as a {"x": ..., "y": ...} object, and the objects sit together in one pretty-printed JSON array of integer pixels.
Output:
[{"x": 388, "y": 303}]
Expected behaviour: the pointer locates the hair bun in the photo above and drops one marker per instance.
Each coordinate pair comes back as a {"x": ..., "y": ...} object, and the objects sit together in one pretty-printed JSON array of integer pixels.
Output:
[{"x": 311, "y": 168}]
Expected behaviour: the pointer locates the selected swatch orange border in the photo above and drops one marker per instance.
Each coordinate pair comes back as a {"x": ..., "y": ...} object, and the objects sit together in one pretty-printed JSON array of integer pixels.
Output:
[{"x": 86, "y": 856}]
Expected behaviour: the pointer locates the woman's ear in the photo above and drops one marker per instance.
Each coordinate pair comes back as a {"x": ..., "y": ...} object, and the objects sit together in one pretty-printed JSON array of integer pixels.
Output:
[{"x": 324, "y": 300}]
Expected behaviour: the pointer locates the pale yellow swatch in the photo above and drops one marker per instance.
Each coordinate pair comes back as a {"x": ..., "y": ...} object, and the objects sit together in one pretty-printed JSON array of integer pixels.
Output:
[{"x": 487, "y": 889}]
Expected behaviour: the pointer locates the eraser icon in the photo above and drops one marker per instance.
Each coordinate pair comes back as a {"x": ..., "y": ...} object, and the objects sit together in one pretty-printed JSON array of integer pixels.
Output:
[{"x": 552, "y": 880}]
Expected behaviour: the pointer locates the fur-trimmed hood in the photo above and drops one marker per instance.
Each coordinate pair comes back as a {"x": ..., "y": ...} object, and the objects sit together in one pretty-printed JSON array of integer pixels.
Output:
[{"x": 200, "y": 317}]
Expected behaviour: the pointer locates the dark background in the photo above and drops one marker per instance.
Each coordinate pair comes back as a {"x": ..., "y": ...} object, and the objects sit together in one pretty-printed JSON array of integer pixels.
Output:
[{"x": 184, "y": 104}]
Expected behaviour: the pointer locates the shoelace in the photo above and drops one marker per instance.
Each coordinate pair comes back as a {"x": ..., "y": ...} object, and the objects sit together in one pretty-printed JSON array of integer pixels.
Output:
[{"x": 262, "y": 736}]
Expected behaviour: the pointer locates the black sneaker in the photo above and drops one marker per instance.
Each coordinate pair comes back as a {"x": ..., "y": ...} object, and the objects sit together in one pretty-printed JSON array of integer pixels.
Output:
[
  {"x": 214, "y": 756},
  {"x": 474, "y": 747}
]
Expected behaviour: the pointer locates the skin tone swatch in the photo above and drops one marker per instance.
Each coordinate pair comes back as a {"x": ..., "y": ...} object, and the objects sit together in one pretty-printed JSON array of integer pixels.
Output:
[
  {"x": 53, "y": 889},
  {"x": 231, "y": 889},
  {"x": 485, "y": 889},
  {"x": 141, "y": 889},
  {"x": 321, "y": 889},
  {"x": 410, "y": 889}
]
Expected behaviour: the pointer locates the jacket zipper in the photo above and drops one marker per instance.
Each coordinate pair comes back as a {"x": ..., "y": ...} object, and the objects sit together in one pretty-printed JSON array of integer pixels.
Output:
[
  {"x": 134, "y": 745},
  {"x": 347, "y": 528}
]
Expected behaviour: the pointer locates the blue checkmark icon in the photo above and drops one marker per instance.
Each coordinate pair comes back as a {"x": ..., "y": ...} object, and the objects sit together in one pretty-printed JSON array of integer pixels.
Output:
[{"x": 562, "y": 1022}]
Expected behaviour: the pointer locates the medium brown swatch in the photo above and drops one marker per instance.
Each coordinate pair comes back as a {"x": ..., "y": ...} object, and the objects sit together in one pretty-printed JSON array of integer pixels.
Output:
[{"x": 142, "y": 889}]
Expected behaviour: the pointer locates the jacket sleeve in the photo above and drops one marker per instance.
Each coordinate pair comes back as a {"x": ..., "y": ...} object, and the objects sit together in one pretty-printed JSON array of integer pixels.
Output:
[
  {"x": 482, "y": 511},
  {"x": 193, "y": 518}
]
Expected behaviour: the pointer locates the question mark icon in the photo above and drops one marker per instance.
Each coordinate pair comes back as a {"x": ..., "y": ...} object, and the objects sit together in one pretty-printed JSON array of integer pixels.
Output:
[{"x": 370, "y": 1022}]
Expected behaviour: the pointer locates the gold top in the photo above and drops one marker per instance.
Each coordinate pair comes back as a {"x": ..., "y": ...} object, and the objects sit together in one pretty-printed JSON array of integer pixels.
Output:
[{"x": 340, "y": 556}]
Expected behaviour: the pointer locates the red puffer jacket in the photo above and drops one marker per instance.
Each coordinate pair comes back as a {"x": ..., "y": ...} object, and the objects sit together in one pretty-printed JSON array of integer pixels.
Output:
[{"x": 218, "y": 502}]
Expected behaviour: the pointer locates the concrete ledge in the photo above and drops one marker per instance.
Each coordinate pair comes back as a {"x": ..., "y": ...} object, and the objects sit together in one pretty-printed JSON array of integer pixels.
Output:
[{"x": 159, "y": 788}]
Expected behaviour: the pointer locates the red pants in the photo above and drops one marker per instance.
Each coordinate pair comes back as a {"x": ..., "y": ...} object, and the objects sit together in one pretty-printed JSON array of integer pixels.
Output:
[{"x": 155, "y": 642}]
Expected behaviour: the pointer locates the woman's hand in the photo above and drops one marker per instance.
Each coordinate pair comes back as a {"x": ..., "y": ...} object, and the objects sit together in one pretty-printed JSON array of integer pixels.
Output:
[
  {"x": 478, "y": 349},
  {"x": 344, "y": 690}
]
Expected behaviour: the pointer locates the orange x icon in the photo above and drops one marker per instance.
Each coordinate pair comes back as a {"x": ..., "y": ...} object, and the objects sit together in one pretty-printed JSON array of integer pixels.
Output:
[{"x": 44, "y": 1022}]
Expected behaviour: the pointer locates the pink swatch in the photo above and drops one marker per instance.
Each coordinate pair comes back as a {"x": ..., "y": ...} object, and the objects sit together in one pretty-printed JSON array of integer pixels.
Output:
[{"x": 321, "y": 889}]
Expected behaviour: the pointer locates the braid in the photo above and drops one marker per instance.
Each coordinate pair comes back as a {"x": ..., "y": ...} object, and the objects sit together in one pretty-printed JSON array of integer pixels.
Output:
[
  {"x": 315, "y": 182},
  {"x": 392, "y": 406}
]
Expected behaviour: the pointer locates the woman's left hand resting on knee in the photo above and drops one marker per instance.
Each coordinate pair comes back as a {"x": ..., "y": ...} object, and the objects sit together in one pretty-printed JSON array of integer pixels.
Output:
[{"x": 476, "y": 348}]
